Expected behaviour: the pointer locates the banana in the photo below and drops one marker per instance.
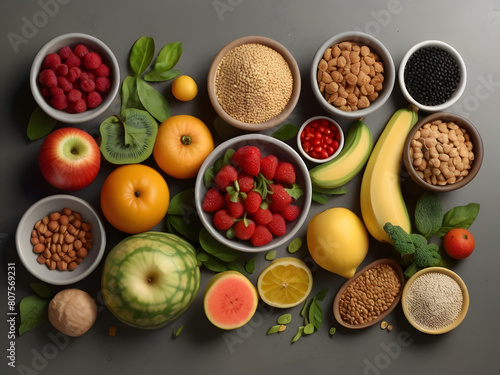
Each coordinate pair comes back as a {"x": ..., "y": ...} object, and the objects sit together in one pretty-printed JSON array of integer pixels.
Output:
[
  {"x": 381, "y": 199},
  {"x": 347, "y": 164}
]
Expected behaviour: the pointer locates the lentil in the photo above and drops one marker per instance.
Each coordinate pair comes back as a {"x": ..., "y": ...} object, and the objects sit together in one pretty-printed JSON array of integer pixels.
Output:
[
  {"x": 431, "y": 76},
  {"x": 369, "y": 295},
  {"x": 434, "y": 300},
  {"x": 253, "y": 83}
]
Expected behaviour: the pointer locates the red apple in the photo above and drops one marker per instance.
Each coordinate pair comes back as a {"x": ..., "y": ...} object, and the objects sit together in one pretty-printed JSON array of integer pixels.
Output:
[{"x": 69, "y": 159}]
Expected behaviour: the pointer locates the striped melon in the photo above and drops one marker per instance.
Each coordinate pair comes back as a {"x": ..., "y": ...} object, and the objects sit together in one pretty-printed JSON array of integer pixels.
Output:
[{"x": 150, "y": 279}]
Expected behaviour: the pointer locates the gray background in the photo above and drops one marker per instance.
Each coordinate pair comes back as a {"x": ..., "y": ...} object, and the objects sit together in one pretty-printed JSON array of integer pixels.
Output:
[{"x": 473, "y": 28}]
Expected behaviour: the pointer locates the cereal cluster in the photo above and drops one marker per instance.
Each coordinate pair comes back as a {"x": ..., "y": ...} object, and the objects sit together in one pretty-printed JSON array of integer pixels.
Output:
[
  {"x": 253, "y": 83},
  {"x": 441, "y": 153},
  {"x": 369, "y": 295},
  {"x": 350, "y": 76}
]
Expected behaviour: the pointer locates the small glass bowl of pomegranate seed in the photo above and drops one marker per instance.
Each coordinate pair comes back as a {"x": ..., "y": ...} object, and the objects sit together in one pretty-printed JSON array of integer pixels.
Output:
[{"x": 320, "y": 139}]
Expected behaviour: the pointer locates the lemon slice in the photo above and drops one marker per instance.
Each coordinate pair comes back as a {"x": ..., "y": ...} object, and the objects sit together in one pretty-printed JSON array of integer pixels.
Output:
[{"x": 286, "y": 282}]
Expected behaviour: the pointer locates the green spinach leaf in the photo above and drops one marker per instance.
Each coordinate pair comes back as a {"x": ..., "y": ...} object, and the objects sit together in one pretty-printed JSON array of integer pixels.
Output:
[
  {"x": 40, "y": 124},
  {"x": 154, "y": 102},
  {"x": 141, "y": 55},
  {"x": 168, "y": 57},
  {"x": 286, "y": 132},
  {"x": 215, "y": 248},
  {"x": 459, "y": 217},
  {"x": 161, "y": 76},
  {"x": 34, "y": 312},
  {"x": 130, "y": 97}
]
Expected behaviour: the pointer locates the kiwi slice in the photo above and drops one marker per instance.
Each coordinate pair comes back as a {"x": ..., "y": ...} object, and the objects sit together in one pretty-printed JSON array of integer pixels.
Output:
[{"x": 130, "y": 138}]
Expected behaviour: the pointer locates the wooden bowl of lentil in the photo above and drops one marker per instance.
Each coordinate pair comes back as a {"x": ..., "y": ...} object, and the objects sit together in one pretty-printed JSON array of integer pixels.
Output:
[
  {"x": 370, "y": 295},
  {"x": 254, "y": 83},
  {"x": 435, "y": 300},
  {"x": 451, "y": 150}
]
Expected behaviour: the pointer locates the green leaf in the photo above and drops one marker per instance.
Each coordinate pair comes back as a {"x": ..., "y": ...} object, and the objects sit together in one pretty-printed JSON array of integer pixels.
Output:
[
  {"x": 320, "y": 197},
  {"x": 459, "y": 217},
  {"x": 177, "y": 332},
  {"x": 321, "y": 294},
  {"x": 130, "y": 98},
  {"x": 142, "y": 54},
  {"x": 428, "y": 213},
  {"x": 161, "y": 76},
  {"x": 208, "y": 177},
  {"x": 295, "y": 191},
  {"x": 309, "y": 329},
  {"x": 215, "y": 248},
  {"x": 168, "y": 57},
  {"x": 295, "y": 245},
  {"x": 286, "y": 132},
  {"x": 305, "y": 309},
  {"x": 299, "y": 333},
  {"x": 271, "y": 255},
  {"x": 154, "y": 102},
  {"x": 202, "y": 257},
  {"x": 214, "y": 265},
  {"x": 33, "y": 311},
  {"x": 183, "y": 228},
  {"x": 332, "y": 331},
  {"x": 40, "y": 124},
  {"x": 250, "y": 266},
  {"x": 273, "y": 329},
  {"x": 228, "y": 155},
  {"x": 182, "y": 203},
  {"x": 42, "y": 290},
  {"x": 315, "y": 314},
  {"x": 335, "y": 191},
  {"x": 284, "y": 319}
]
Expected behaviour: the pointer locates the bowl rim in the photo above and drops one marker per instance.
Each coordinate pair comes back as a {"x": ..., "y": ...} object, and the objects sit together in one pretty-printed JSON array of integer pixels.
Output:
[
  {"x": 307, "y": 196},
  {"x": 461, "y": 84},
  {"x": 20, "y": 238},
  {"x": 465, "y": 305},
  {"x": 331, "y": 157},
  {"x": 475, "y": 139},
  {"x": 89, "y": 114},
  {"x": 389, "y": 73},
  {"x": 294, "y": 68},
  {"x": 396, "y": 267}
]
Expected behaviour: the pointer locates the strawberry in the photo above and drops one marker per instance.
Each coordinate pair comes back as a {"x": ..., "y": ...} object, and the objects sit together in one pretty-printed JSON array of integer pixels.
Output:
[
  {"x": 223, "y": 220},
  {"x": 252, "y": 202},
  {"x": 245, "y": 182},
  {"x": 268, "y": 166},
  {"x": 248, "y": 159},
  {"x": 225, "y": 177},
  {"x": 234, "y": 206},
  {"x": 279, "y": 198},
  {"x": 244, "y": 229},
  {"x": 285, "y": 173},
  {"x": 262, "y": 216},
  {"x": 261, "y": 236},
  {"x": 291, "y": 212},
  {"x": 277, "y": 226},
  {"x": 213, "y": 200}
]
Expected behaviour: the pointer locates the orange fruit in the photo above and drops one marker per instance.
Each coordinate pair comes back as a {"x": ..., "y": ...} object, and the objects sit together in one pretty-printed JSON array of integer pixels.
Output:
[
  {"x": 286, "y": 282},
  {"x": 184, "y": 88},
  {"x": 182, "y": 144}
]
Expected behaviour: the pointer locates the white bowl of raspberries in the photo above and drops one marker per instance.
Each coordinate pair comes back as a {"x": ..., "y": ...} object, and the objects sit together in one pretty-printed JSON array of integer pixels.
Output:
[
  {"x": 74, "y": 78},
  {"x": 253, "y": 193}
]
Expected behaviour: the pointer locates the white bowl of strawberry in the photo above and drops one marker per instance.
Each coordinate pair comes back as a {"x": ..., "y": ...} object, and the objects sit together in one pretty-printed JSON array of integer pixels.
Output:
[
  {"x": 253, "y": 193},
  {"x": 320, "y": 139},
  {"x": 74, "y": 78}
]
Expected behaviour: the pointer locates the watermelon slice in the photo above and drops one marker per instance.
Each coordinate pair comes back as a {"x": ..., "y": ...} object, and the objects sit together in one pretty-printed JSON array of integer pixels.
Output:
[{"x": 230, "y": 300}]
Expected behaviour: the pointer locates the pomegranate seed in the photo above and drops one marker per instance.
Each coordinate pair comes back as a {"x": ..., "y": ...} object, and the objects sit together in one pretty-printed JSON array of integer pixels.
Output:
[{"x": 323, "y": 154}]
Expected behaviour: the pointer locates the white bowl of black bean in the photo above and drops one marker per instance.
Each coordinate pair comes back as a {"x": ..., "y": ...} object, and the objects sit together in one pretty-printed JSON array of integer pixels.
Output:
[{"x": 432, "y": 76}]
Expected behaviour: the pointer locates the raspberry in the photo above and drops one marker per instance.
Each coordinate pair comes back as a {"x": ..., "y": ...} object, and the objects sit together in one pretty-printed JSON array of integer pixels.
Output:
[
  {"x": 79, "y": 106},
  {"x": 62, "y": 70},
  {"x": 248, "y": 159},
  {"x": 59, "y": 101},
  {"x": 277, "y": 226},
  {"x": 64, "y": 52},
  {"x": 225, "y": 177},
  {"x": 51, "y": 61},
  {"x": 262, "y": 216},
  {"x": 80, "y": 50},
  {"x": 102, "y": 71},
  {"x": 252, "y": 202},
  {"x": 236, "y": 207},
  {"x": 244, "y": 229},
  {"x": 91, "y": 75},
  {"x": 48, "y": 78},
  {"x": 63, "y": 83},
  {"x": 72, "y": 61},
  {"x": 223, "y": 220},
  {"x": 87, "y": 85},
  {"x": 92, "y": 60},
  {"x": 285, "y": 173},
  {"x": 291, "y": 212},
  {"x": 213, "y": 201},
  {"x": 56, "y": 90},
  {"x": 74, "y": 95},
  {"x": 268, "y": 165},
  {"x": 74, "y": 73},
  {"x": 102, "y": 84},
  {"x": 46, "y": 92},
  {"x": 261, "y": 236},
  {"x": 279, "y": 198},
  {"x": 93, "y": 99}
]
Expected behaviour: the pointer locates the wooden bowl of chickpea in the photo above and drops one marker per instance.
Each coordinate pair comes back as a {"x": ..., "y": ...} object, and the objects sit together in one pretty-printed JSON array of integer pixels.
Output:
[{"x": 443, "y": 152}]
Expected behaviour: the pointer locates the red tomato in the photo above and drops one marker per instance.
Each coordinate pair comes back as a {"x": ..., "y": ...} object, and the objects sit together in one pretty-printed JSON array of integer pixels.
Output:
[{"x": 458, "y": 243}]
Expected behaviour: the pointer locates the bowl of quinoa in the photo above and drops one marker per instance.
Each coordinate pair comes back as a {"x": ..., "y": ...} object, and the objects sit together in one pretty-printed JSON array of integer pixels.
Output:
[{"x": 254, "y": 83}]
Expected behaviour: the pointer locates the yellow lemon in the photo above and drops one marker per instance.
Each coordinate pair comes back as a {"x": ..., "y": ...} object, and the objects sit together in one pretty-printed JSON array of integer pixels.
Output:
[
  {"x": 184, "y": 88},
  {"x": 286, "y": 282},
  {"x": 337, "y": 240}
]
